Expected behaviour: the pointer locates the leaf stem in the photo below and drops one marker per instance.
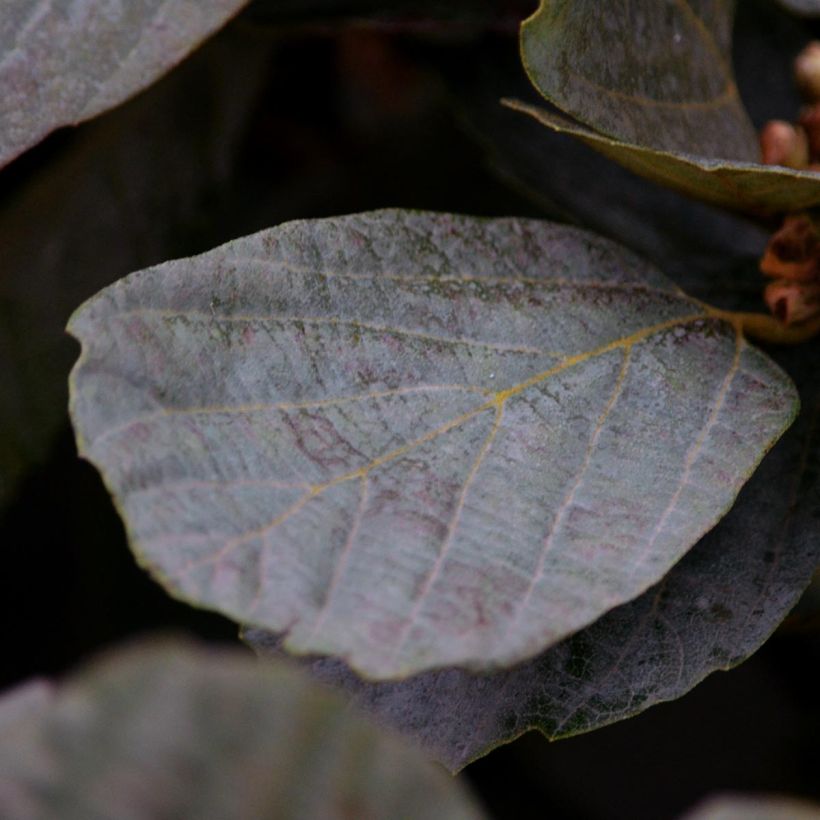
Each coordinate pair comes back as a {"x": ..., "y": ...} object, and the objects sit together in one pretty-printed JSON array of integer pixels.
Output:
[{"x": 765, "y": 328}]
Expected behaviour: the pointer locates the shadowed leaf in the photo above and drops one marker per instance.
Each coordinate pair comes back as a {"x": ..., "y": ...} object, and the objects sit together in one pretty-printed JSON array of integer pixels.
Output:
[
  {"x": 176, "y": 731},
  {"x": 417, "y": 440},
  {"x": 744, "y": 186},
  {"x": 129, "y": 189},
  {"x": 710, "y": 612},
  {"x": 63, "y": 63}
]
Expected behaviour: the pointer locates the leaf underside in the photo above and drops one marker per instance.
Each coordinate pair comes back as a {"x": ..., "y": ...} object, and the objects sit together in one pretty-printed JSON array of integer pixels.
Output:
[
  {"x": 755, "y": 189},
  {"x": 654, "y": 90},
  {"x": 710, "y": 612},
  {"x": 171, "y": 730},
  {"x": 417, "y": 441},
  {"x": 61, "y": 65}
]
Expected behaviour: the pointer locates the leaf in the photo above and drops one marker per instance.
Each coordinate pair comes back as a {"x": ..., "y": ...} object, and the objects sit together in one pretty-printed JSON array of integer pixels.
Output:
[
  {"x": 177, "y": 731},
  {"x": 690, "y": 241},
  {"x": 756, "y": 807},
  {"x": 417, "y": 440},
  {"x": 60, "y": 65},
  {"x": 743, "y": 186},
  {"x": 654, "y": 88},
  {"x": 656, "y": 74},
  {"x": 710, "y": 612}
]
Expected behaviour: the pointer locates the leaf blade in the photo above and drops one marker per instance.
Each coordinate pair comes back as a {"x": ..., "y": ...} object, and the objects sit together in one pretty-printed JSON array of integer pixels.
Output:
[
  {"x": 60, "y": 68},
  {"x": 655, "y": 74},
  {"x": 467, "y": 453},
  {"x": 175, "y": 730}
]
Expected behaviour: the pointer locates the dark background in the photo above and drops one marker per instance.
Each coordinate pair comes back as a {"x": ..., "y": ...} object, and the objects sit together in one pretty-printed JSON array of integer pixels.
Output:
[{"x": 316, "y": 110}]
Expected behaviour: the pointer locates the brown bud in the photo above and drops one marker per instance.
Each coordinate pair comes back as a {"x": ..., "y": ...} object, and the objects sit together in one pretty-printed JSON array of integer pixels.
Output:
[
  {"x": 810, "y": 121},
  {"x": 807, "y": 71},
  {"x": 781, "y": 143},
  {"x": 793, "y": 302},
  {"x": 794, "y": 251}
]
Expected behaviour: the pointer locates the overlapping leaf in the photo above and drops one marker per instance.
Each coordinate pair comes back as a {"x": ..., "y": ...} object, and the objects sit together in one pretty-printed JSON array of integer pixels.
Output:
[
  {"x": 63, "y": 63},
  {"x": 175, "y": 731},
  {"x": 415, "y": 440},
  {"x": 711, "y": 611},
  {"x": 653, "y": 86}
]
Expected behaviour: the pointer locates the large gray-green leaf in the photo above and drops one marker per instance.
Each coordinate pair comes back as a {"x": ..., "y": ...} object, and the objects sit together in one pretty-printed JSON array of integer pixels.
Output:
[
  {"x": 653, "y": 81},
  {"x": 710, "y": 612},
  {"x": 417, "y": 440},
  {"x": 62, "y": 63},
  {"x": 177, "y": 731}
]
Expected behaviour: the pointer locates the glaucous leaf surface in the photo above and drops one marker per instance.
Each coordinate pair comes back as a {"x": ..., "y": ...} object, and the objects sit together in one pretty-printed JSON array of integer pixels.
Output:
[
  {"x": 655, "y": 92},
  {"x": 172, "y": 730},
  {"x": 743, "y": 186},
  {"x": 656, "y": 73},
  {"x": 710, "y": 612},
  {"x": 754, "y": 807},
  {"x": 417, "y": 440},
  {"x": 62, "y": 63}
]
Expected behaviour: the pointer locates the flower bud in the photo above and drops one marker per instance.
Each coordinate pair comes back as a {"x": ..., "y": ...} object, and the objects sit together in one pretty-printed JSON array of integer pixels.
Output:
[
  {"x": 810, "y": 121},
  {"x": 807, "y": 71},
  {"x": 781, "y": 143},
  {"x": 793, "y": 302},
  {"x": 794, "y": 251}
]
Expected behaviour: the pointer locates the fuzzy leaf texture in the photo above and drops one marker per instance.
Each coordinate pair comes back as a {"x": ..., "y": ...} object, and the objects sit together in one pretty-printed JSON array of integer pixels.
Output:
[
  {"x": 654, "y": 90},
  {"x": 710, "y": 612},
  {"x": 174, "y": 730},
  {"x": 62, "y": 63},
  {"x": 417, "y": 440}
]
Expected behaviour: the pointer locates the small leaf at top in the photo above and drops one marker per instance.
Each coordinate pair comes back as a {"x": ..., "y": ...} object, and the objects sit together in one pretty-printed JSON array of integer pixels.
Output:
[
  {"x": 172, "y": 730},
  {"x": 656, "y": 73},
  {"x": 652, "y": 83},
  {"x": 63, "y": 63},
  {"x": 417, "y": 440}
]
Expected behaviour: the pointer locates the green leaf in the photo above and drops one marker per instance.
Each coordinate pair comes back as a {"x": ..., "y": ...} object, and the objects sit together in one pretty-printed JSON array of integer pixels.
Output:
[
  {"x": 710, "y": 612},
  {"x": 60, "y": 65},
  {"x": 176, "y": 731},
  {"x": 652, "y": 85},
  {"x": 417, "y": 440}
]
